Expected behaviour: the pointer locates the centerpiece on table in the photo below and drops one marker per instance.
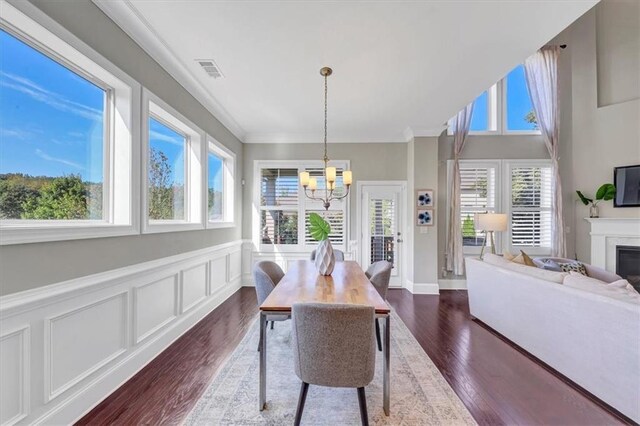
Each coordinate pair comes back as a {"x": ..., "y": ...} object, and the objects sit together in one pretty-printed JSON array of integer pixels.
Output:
[
  {"x": 320, "y": 230},
  {"x": 605, "y": 193}
]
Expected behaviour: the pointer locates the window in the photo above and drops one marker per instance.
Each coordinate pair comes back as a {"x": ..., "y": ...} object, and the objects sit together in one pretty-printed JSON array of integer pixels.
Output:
[
  {"x": 527, "y": 188},
  {"x": 220, "y": 185},
  {"x": 477, "y": 195},
  {"x": 505, "y": 108},
  {"x": 530, "y": 206},
  {"x": 173, "y": 169},
  {"x": 66, "y": 141},
  {"x": 284, "y": 210}
]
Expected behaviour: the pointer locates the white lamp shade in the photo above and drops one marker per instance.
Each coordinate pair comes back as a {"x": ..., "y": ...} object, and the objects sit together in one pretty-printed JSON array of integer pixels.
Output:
[{"x": 490, "y": 221}]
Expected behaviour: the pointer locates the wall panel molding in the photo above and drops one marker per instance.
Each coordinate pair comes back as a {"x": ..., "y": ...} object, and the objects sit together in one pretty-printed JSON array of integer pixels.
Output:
[{"x": 71, "y": 344}]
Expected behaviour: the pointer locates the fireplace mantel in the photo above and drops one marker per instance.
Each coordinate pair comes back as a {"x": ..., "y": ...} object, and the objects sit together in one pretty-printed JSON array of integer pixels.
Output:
[{"x": 607, "y": 233}]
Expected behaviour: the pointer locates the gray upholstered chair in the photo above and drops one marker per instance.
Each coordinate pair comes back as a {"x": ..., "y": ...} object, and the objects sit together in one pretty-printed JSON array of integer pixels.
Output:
[
  {"x": 266, "y": 275},
  {"x": 379, "y": 273},
  {"x": 339, "y": 353},
  {"x": 339, "y": 254}
]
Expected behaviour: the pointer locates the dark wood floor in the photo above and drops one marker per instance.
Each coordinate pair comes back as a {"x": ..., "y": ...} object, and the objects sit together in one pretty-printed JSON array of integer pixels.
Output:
[{"x": 499, "y": 384}]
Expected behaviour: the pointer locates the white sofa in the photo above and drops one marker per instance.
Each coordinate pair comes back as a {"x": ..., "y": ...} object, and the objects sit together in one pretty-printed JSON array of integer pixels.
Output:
[{"x": 590, "y": 338}]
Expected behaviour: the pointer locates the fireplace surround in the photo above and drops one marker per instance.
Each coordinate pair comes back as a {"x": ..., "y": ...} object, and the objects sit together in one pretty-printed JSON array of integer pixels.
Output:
[{"x": 607, "y": 234}]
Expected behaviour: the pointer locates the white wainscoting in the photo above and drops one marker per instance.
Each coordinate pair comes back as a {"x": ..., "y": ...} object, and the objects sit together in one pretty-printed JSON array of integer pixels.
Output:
[
  {"x": 250, "y": 256},
  {"x": 65, "y": 347}
]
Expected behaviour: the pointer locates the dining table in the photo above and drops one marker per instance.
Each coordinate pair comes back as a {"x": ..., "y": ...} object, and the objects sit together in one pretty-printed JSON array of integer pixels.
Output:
[{"x": 302, "y": 283}]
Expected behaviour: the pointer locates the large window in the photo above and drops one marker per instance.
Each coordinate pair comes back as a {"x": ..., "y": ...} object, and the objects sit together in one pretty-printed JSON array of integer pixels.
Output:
[
  {"x": 66, "y": 141},
  {"x": 220, "y": 185},
  {"x": 520, "y": 188},
  {"x": 505, "y": 108},
  {"x": 174, "y": 169},
  {"x": 284, "y": 210}
]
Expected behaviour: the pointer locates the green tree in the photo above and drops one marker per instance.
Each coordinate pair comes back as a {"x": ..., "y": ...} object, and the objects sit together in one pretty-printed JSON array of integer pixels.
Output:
[
  {"x": 13, "y": 195},
  {"x": 160, "y": 190},
  {"x": 468, "y": 227},
  {"x": 532, "y": 119},
  {"x": 60, "y": 198}
]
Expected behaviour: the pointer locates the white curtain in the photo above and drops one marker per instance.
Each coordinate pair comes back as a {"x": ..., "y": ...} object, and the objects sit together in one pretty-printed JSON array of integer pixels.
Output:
[
  {"x": 541, "y": 71},
  {"x": 455, "y": 256}
]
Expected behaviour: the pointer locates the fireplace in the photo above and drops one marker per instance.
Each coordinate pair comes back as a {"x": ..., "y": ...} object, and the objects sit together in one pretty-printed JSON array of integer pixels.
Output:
[{"x": 628, "y": 264}]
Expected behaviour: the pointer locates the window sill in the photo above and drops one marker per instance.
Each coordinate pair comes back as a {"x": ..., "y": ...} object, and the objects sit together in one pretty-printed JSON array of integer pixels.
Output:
[
  {"x": 217, "y": 225},
  {"x": 171, "y": 226},
  {"x": 31, "y": 233}
]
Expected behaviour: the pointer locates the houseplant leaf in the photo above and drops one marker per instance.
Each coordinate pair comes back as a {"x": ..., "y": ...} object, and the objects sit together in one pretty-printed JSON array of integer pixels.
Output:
[
  {"x": 606, "y": 192},
  {"x": 584, "y": 199},
  {"x": 318, "y": 227}
]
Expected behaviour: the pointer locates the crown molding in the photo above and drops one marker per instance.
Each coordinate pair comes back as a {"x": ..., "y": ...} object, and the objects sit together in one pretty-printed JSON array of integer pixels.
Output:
[
  {"x": 131, "y": 21},
  {"x": 315, "y": 138}
]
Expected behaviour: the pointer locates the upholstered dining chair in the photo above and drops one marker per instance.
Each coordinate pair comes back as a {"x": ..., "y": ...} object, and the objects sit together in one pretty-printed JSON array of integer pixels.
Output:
[
  {"x": 339, "y": 354},
  {"x": 266, "y": 275},
  {"x": 379, "y": 273},
  {"x": 339, "y": 254}
]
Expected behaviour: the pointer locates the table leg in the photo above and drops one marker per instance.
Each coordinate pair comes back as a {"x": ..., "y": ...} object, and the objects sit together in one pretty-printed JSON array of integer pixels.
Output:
[
  {"x": 263, "y": 361},
  {"x": 386, "y": 385}
]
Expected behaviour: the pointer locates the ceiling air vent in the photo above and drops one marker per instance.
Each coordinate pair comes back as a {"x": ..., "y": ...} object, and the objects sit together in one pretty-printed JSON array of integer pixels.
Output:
[{"x": 210, "y": 67}]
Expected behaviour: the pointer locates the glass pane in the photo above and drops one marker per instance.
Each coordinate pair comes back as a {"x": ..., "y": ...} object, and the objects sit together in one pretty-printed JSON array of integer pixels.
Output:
[
  {"x": 335, "y": 219},
  {"x": 477, "y": 195},
  {"x": 166, "y": 172},
  {"x": 279, "y": 187},
  {"x": 279, "y": 227},
  {"x": 51, "y": 138},
  {"x": 520, "y": 114},
  {"x": 382, "y": 229},
  {"x": 480, "y": 115},
  {"x": 215, "y": 187}
]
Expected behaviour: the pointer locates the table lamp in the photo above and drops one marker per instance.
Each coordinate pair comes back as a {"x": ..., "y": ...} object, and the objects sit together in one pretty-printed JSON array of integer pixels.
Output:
[{"x": 490, "y": 223}]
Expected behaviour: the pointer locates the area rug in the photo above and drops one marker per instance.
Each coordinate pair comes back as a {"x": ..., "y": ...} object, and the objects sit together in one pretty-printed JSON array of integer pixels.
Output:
[{"x": 419, "y": 393}]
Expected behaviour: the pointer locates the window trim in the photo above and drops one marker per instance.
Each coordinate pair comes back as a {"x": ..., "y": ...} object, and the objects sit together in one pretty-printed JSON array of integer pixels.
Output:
[
  {"x": 120, "y": 209},
  {"x": 301, "y": 247},
  {"x": 154, "y": 107},
  {"x": 228, "y": 182},
  {"x": 503, "y": 199}
]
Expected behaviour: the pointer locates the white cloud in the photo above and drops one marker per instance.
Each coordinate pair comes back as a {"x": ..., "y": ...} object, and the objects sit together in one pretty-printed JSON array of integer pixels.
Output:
[
  {"x": 165, "y": 138},
  {"x": 47, "y": 157},
  {"x": 53, "y": 99},
  {"x": 15, "y": 133}
]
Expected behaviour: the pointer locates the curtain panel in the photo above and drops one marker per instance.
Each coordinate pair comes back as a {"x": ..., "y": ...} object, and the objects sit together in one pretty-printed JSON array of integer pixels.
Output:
[
  {"x": 541, "y": 72},
  {"x": 455, "y": 255}
]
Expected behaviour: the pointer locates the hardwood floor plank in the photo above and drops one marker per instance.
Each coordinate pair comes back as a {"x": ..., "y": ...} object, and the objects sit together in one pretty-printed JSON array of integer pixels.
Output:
[{"x": 498, "y": 382}]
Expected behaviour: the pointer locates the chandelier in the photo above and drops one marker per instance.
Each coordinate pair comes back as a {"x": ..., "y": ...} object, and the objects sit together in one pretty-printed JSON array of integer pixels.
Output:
[{"x": 310, "y": 184}]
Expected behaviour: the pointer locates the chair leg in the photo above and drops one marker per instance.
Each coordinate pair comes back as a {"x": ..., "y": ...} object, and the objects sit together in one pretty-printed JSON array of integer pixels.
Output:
[
  {"x": 272, "y": 323},
  {"x": 378, "y": 335},
  {"x": 303, "y": 396},
  {"x": 363, "y": 407},
  {"x": 260, "y": 342}
]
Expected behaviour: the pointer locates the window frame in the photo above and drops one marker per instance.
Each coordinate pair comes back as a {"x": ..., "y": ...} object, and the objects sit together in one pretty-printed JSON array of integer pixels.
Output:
[
  {"x": 503, "y": 199},
  {"x": 303, "y": 205},
  {"x": 121, "y": 127},
  {"x": 154, "y": 107},
  {"x": 228, "y": 184}
]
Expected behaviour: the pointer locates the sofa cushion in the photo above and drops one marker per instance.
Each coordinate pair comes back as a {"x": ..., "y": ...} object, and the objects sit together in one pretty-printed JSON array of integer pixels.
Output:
[
  {"x": 592, "y": 285},
  {"x": 553, "y": 276},
  {"x": 622, "y": 284}
]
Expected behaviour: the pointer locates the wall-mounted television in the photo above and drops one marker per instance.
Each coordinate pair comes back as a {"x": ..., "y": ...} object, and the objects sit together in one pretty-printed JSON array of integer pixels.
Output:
[{"x": 627, "y": 182}]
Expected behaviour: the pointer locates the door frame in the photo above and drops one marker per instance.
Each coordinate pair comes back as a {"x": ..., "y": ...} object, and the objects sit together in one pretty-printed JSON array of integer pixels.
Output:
[{"x": 402, "y": 220}]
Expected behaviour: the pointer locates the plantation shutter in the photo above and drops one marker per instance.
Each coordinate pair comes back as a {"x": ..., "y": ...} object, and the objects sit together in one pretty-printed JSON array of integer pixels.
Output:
[
  {"x": 382, "y": 218},
  {"x": 336, "y": 215},
  {"x": 531, "y": 192},
  {"x": 335, "y": 219},
  {"x": 279, "y": 206},
  {"x": 477, "y": 195},
  {"x": 278, "y": 187}
]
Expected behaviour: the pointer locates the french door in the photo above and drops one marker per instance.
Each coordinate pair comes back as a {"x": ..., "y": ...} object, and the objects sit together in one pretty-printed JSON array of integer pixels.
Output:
[{"x": 381, "y": 207}]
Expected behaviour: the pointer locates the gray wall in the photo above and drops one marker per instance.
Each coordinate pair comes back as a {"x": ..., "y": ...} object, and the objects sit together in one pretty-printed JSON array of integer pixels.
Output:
[
  {"x": 374, "y": 161},
  {"x": 28, "y": 266}
]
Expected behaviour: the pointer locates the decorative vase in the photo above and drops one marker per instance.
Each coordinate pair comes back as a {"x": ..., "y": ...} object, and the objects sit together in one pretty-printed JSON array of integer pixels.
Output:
[
  {"x": 593, "y": 211},
  {"x": 325, "y": 259}
]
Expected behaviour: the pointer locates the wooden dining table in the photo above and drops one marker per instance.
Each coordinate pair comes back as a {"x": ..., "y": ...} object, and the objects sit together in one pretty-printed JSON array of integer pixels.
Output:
[{"x": 348, "y": 284}]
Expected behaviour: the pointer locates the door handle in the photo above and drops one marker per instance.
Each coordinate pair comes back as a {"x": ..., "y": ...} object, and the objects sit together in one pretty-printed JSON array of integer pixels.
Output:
[{"x": 399, "y": 240}]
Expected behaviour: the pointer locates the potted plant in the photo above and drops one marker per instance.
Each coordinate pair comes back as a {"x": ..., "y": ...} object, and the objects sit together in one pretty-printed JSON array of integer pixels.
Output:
[
  {"x": 320, "y": 230},
  {"x": 606, "y": 192}
]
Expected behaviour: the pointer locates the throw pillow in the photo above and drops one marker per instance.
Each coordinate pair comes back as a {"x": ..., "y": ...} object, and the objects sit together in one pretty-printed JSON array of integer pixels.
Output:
[
  {"x": 527, "y": 260},
  {"x": 574, "y": 266},
  {"x": 513, "y": 258},
  {"x": 624, "y": 284},
  {"x": 550, "y": 265}
]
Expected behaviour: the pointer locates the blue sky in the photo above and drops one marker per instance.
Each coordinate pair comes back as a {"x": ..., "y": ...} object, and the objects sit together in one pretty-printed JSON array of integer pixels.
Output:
[
  {"x": 215, "y": 172},
  {"x": 50, "y": 118},
  {"x": 172, "y": 144}
]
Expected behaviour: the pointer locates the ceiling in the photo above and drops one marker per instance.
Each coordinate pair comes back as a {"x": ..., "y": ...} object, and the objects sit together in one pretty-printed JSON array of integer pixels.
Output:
[{"x": 401, "y": 68}]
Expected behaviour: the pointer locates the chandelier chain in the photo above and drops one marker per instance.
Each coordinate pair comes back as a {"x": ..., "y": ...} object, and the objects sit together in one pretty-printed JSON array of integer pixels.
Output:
[{"x": 326, "y": 158}]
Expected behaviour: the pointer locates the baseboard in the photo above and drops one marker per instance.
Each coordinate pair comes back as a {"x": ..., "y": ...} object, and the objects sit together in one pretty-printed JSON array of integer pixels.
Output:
[
  {"x": 422, "y": 288},
  {"x": 452, "y": 284},
  {"x": 112, "y": 325}
]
